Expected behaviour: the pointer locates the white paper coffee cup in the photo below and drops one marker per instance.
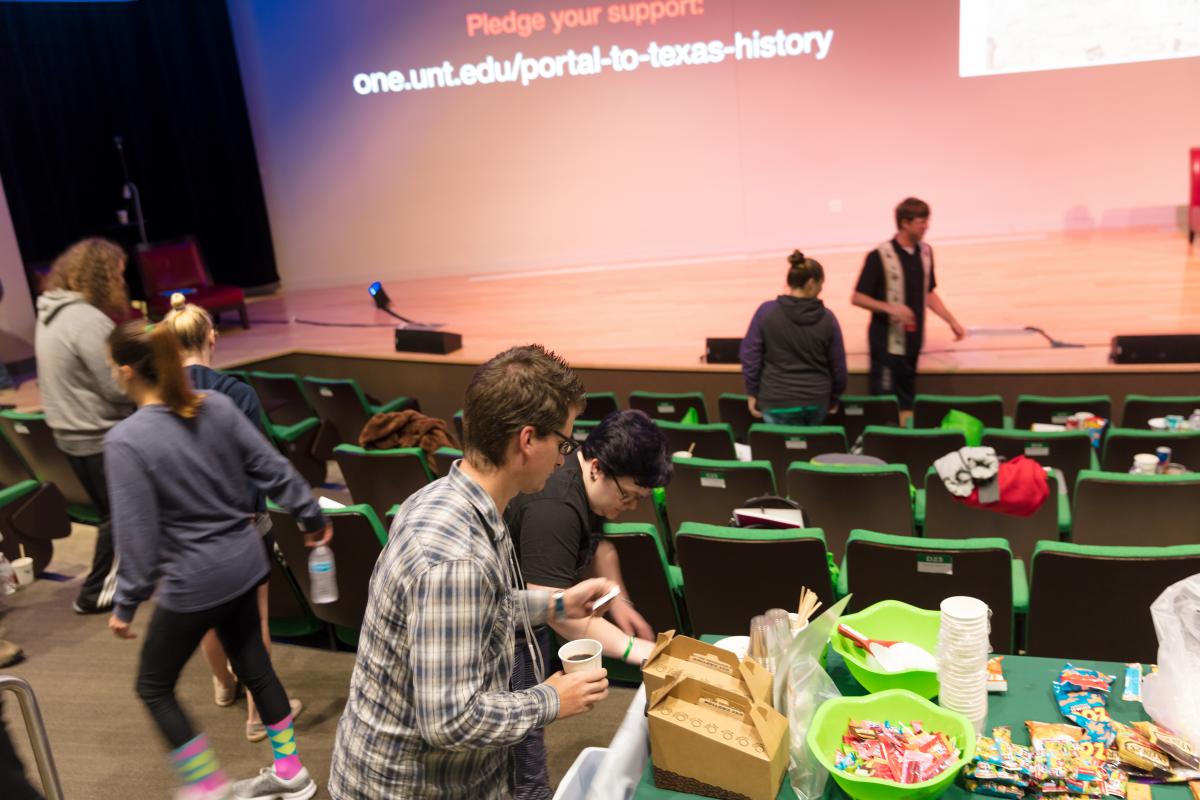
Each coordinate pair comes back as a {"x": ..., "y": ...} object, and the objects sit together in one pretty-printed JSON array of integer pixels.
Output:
[
  {"x": 682, "y": 454},
  {"x": 580, "y": 655},
  {"x": 1145, "y": 463},
  {"x": 23, "y": 569}
]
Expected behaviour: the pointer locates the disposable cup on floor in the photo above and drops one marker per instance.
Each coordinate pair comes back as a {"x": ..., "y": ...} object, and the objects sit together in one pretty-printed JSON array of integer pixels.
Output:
[
  {"x": 963, "y": 608},
  {"x": 23, "y": 569},
  {"x": 580, "y": 655}
]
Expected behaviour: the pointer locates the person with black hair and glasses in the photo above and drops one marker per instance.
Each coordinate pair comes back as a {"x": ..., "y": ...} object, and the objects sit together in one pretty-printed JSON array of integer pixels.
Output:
[
  {"x": 793, "y": 357},
  {"x": 559, "y": 534}
]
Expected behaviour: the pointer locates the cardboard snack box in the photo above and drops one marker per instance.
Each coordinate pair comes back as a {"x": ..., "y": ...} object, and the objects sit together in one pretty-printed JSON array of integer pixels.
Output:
[
  {"x": 682, "y": 656},
  {"x": 715, "y": 742}
]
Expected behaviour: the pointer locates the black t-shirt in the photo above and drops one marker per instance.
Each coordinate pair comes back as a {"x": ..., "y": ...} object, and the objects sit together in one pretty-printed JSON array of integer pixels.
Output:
[
  {"x": 873, "y": 284},
  {"x": 554, "y": 530}
]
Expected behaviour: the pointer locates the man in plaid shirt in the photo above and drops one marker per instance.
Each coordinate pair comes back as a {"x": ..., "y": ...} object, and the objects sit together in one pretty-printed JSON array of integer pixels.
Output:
[{"x": 430, "y": 713}]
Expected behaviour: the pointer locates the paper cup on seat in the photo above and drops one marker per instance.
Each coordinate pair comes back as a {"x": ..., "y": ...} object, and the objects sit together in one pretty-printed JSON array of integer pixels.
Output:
[
  {"x": 580, "y": 655},
  {"x": 1145, "y": 463},
  {"x": 23, "y": 570}
]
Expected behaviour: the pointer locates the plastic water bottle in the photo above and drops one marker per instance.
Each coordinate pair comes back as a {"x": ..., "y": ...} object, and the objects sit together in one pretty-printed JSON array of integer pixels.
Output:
[
  {"x": 8, "y": 579},
  {"x": 322, "y": 575}
]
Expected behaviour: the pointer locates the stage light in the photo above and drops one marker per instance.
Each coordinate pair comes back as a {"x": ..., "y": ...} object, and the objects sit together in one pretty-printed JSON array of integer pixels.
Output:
[{"x": 379, "y": 295}]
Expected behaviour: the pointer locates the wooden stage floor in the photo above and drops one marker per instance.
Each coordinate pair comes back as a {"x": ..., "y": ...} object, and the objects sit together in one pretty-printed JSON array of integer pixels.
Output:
[{"x": 1080, "y": 288}]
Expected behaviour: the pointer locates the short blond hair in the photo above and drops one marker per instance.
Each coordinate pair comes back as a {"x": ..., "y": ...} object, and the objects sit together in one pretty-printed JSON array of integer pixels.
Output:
[{"x": 191, "y": 324}]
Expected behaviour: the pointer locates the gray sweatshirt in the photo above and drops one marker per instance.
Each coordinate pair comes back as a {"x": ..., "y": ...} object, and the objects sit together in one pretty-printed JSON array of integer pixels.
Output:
[
  {"x": 79, "y": 395},
  {"x": 182, "y": 493}
]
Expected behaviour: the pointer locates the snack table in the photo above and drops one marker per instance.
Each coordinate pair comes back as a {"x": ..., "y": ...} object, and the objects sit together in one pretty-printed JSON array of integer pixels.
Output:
[{"x": 1029, "y": 697}]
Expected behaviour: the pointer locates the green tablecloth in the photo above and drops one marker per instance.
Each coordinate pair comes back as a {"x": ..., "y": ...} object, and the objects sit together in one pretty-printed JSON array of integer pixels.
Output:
[{"x": 1029, "y": 697}]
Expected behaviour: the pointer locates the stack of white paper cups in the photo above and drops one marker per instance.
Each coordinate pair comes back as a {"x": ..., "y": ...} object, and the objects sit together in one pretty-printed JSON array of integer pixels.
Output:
[{"x": 962, "y": 657}]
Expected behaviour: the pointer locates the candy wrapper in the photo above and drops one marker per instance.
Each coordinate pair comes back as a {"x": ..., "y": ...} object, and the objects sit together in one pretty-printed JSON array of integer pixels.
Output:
[
  {"x": 1176, "y": 748},
  {"x": 1082, "y": 696},
  {"x": 1136, "y": 753},
  {"x": 1077, "y": 679},
  {"x": 993, "y": 789},
  {"x": 1133, "y": 683},
  {"x": 996, "y": 682},
  {"x": 894, "y": 751}
]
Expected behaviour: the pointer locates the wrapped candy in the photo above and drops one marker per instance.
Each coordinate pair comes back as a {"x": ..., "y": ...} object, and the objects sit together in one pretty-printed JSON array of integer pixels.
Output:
[
  {"x": 1077, "y": 679},
  {"x": 894, "y": 751},
  {"x": 1133, "y": 683}
]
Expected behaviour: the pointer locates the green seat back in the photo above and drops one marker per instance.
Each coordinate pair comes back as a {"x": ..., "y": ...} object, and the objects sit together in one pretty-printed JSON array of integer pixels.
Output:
[
  {"x": 1115, "y": 508},
  {"x": 924, "y": 572},
  {"x": 671, "y": 406},
  {"x": 1113, "y": 587},
  {"x": 732, "y": 574},
  {"x": 915, "y": 448},
  {"x": 839, "y": 498},
  {"x": 929, "y": 409}
]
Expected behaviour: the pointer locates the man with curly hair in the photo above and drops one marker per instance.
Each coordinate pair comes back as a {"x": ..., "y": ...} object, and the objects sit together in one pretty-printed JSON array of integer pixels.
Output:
[{"x": 86, "y": 293}]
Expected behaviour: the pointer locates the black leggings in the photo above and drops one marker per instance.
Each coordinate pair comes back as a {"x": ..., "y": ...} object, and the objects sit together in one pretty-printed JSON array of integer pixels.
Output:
[{"x": 171, "y": 640}]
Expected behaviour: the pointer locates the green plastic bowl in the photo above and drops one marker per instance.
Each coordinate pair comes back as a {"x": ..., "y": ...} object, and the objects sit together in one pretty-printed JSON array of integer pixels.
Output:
[
  {"x": 891, "y": 620},
  {"x": 895, "y": 705}
]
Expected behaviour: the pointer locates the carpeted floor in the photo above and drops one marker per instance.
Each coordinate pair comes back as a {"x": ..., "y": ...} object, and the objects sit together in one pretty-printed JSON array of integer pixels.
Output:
[{"x": 103, "y": 741}]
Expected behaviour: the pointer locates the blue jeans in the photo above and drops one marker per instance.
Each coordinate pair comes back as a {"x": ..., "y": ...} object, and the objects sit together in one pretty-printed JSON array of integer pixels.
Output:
[{"x": 802, "y": 415}]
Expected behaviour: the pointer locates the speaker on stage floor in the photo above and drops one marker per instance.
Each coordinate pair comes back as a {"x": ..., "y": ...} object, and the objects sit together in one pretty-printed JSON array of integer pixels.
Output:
[
  {"x": 722, "y": 351},
  {"x": 427, "y": 340},
  {"x": 1157, "y": 348}
]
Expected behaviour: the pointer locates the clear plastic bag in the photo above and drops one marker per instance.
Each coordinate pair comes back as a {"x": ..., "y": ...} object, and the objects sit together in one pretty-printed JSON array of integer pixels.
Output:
[
  {"x": 801, "y": 686},
  {"x": 1172, "y": 695}
]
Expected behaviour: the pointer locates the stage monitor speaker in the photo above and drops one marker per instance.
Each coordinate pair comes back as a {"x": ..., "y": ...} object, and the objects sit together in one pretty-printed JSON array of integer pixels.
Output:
[
  {"x": 1158, "y": 348},
  {"x": 424, "y": 340},
  {"x": 722, "y": 351}
]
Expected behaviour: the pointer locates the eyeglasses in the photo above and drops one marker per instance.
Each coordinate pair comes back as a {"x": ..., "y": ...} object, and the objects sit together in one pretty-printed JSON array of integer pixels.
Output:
[
  {"x": 567, "y": 445},
  {"x": 626, "y": 497}
]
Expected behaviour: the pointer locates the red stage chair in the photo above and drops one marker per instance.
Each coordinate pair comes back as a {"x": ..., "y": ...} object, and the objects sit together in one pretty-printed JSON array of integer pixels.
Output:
[{"x": 168, "y": 267}]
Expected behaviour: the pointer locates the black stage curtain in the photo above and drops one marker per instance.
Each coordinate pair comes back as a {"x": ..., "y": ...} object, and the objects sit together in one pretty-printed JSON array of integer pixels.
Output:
[{"x": 163, "y": 74}]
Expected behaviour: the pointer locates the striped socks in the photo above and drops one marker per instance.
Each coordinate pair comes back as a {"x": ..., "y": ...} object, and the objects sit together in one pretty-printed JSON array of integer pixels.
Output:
[
  {"x": 197, "y": 765},
  {"x": 283, "y": 744}
]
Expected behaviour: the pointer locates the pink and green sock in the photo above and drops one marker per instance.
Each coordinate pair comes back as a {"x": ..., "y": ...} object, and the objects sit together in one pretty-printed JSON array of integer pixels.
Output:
[
  {"x": 283, "y": 744},
  {"x": 197, "y": 765}
]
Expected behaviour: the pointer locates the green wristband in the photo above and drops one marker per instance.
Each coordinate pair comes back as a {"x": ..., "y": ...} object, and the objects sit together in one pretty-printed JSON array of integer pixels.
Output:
[{"x": 628, "y": 649}]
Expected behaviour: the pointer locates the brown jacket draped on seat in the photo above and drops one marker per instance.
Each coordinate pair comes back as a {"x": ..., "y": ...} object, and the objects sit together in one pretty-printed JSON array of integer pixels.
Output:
[{"x": 407, "y": 428}]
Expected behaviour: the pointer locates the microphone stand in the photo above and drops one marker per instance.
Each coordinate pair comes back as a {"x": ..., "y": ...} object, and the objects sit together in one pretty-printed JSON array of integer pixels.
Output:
[{"x": 130, "y": 190}]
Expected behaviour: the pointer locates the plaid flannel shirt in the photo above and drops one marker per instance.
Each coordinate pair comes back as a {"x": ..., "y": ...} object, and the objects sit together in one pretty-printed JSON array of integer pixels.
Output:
[{"x": 430, "y": 713}]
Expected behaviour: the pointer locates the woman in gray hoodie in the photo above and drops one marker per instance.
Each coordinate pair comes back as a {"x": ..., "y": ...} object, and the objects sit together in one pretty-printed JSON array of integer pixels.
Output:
[{"x": 79, "y": 396}]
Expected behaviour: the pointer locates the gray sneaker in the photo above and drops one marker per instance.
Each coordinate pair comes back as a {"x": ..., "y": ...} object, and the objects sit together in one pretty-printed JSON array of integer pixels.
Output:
[{"x": 269, "y": 786}]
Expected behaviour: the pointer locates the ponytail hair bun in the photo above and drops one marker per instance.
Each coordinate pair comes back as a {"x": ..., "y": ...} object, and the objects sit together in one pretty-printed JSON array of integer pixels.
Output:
[
  {"x": 801, "y": 270},
  {"x": 191, "y": 323}
]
